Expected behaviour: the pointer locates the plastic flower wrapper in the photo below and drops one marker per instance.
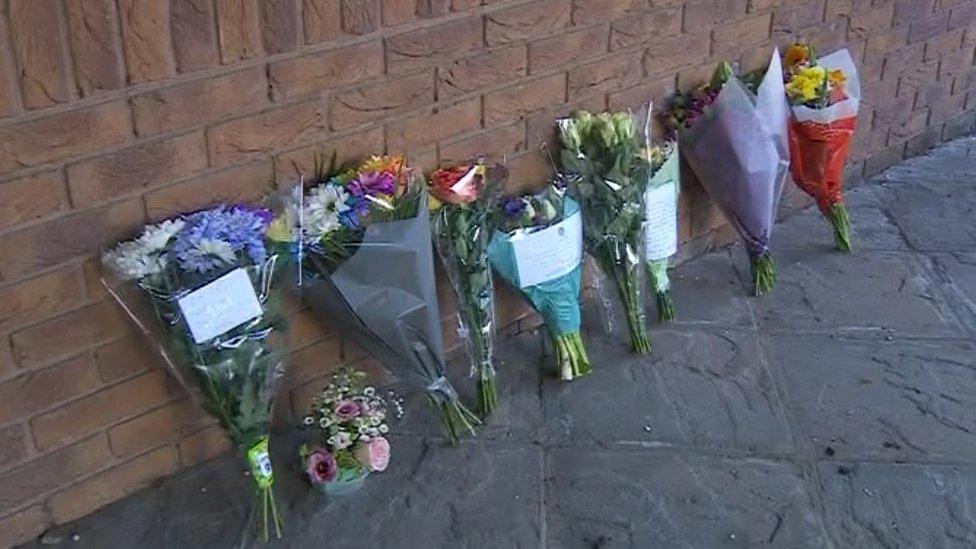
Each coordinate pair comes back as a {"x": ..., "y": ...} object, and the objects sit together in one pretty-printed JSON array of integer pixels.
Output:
[
  {"x": 733, "y": 133},
  {"x": 349, "y": 425},
  {"x": 824, "y": 96},
  {"x": 463, "y": 197},
  {"x": 537, "y": 248},
  {"x": 205, "y": 287},
  {"x": 661, "y": 227},
  {"x": 369, "y": 269},
  {"x": 604, "y": 161}
]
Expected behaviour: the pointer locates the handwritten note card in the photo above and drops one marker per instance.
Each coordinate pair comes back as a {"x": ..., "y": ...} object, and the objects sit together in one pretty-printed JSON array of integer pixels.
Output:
[
  {"x": 661, "y": 228},
  {"x": 550, "y": 253},
  {"x": 220, "y": 306}
]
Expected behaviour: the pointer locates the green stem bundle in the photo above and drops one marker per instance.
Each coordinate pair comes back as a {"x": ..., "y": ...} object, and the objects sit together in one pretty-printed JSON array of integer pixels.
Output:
[
  {"x": 628, "y": 286},
  {"x": 657, "y": 271},
  {"x": 571, "y": 358},
  {"x": 763, "y": 273},
  {"x": 457, "y": 418},
  {"x": 841, "y": 222}
]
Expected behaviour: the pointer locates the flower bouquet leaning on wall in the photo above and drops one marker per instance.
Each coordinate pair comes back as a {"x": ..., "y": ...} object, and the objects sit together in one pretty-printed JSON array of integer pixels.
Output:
[
  {"x": 349, "y": 424},
  {"x": 206, "y": 287},
  {"x": 462, "y": 198},
  {"x": 824, "y": 97},
  {"x": 369, "y": 268},
  {"x": 538, "y": 249},
  {"x": 733, "y": 133},
  {"x": 661, "y": 225},
  {"x": 605, "y": 163}
]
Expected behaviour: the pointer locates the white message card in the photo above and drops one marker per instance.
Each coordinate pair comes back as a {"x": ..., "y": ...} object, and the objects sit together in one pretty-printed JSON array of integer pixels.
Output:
[
  {"x": 550, "y": 253},
  {"x": 220, "y": 306},
  {"x": 661, "y": 224}
]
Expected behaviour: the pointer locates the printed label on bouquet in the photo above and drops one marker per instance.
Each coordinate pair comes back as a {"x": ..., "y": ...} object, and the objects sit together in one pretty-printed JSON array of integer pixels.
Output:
[
  {"x": 550, "y": 253},
  {"x": 260, "y": 462},
  {"x": 220, "y": 306},
  {"x": 661, "y": 227}
]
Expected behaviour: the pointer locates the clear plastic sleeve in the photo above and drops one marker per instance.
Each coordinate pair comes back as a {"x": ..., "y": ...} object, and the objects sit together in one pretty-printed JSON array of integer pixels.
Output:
[{"x": 661, "y": 226}]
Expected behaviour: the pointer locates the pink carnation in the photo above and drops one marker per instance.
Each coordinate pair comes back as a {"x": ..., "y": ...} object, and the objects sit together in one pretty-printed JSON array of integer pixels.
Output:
[{"x": 374, "y": 455}]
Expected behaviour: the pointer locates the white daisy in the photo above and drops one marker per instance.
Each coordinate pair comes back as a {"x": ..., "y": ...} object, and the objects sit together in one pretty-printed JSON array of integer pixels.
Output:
[{"x": 322, "y": 208}]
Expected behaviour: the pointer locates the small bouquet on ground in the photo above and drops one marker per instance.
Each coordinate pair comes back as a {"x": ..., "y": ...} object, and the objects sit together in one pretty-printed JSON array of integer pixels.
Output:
[
  {"x": 733, "y": 133},
  {"x": 608, "y": 172},
  {"x": 206, "y": 291},
  {"x": 350, "y": 443},
  {"x": 369, "y": 268},
  {"x": 824, "y": 96},
  {"x": 462, "y": 198},
  {"x": 661, "y": 226},
  {"x": 538, "y": 248}
]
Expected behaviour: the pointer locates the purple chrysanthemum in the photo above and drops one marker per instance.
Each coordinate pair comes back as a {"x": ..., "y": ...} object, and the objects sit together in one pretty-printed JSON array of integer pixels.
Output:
[
  {"x": 372, "y": 183},
  {"x": 214, "y": 238}
]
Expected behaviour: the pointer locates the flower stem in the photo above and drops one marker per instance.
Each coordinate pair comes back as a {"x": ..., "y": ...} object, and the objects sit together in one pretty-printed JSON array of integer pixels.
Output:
[
  {"x": 571, "y": 356},
  {"x": 487, "y": 391},
  {"x": 763, "y": 273},
  {"x": 457, "y": 418},
  {"x": 628, "y": 287},
  {"x": 665, "y": 307},
  {"x": 841, "y": 221}
]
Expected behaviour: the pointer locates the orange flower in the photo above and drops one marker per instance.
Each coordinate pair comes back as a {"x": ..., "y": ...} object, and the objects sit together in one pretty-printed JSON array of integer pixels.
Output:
[
  {"x": 796, "y": 54},
  {"x": 837, "y": 77},
  {"x": 457, "y": 185}
]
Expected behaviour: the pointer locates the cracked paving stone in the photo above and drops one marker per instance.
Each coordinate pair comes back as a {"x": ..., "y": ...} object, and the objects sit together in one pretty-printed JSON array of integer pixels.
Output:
[
  {"x": 708, "y": 291},
  {"x": 870, "y": 505},
  {"x": 698, "y": 389},
  {"x": 626, "y": 498},
  {"x": 824, "y": 290},
  {"x": 959, "y": 271},
  {"x": 954, "y": 162},
  {"x": 934, "y": 216},
  {"x": 871, "y": 229},
  {"x": 858, "y": 399}
]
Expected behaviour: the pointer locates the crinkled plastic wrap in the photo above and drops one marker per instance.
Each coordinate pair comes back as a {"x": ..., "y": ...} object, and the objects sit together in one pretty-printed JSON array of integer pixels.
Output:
[
  {"x": 384, "y": 297},
  {"x": 661, "y": 228},
  {"x": 461, "y": 235},
  {"x": 234, "y": 374},
  {"x": 739, "y": 151}
]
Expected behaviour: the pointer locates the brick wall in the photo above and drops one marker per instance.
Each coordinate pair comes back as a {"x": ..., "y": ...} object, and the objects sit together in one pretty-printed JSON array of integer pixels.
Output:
[{"x": 117, "y": 112}]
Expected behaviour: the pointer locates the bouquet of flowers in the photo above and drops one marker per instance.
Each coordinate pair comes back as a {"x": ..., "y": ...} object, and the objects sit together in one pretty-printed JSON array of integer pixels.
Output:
[
  {"x": 538, "y": 249},
  {"x": 661, "y": 227},
  {"x": 824, "y": 96},
  {"x": 350, "y": 422},
  {"x": 369, "y": 267},
  {"x": 733, "y": 133},
  {"x": 608, "y": 173},
  {"x": 462, "y": 197},
  {"x": 205, "y": 286}
]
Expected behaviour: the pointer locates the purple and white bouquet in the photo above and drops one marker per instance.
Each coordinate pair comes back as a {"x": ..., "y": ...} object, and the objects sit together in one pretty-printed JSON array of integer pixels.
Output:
[{"x": 203, "y": 287}]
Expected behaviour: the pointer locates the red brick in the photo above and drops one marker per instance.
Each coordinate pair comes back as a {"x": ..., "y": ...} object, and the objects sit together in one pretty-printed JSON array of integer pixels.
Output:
[
  {"x": 163, "y": 425},
  {"x": 962, "y": 16},
  {"x": 640, "y": 29},
  {"x": 657, "y": 91},
  {"x": 348, "y": 148},
  {"x": 146, "y": 40},
  {"x": 515, "y": 102},
  {"x": 568, "y": 48},
  {"x": 433, "y": 8},
  {"x": 252, "y": 137},
  {"x": 866, "y": 24},
  {"x": 53, "y": 471},
  {"x": 592, "y": 11},
  {"x": 66, "y": 238},
  {"x": 528, "y": 171},
  {"x": 608, "y": 74},
  {"x": 125, "y": 357},
  {"x": 372, "y": 102},
  {"x": 40, "y": 297},
  {"x": 423, "y": 47},
  {"x": 112, "y": 484},
  {"x": 324, "y": 70},
  {"x": 8, "y": 78},
  {"x": 943, "y": 44},
  {"x": 202, "y": 445},
  {"x": 739, "y": 35},
  {"x": 413, "y": 132},
  {"x": 68, "y": 334},
  {"x": 34, "y": 391},
  {"x": 927, "y": 28},
  {"x": 106, "y": 407},
  {"x": 238, "y": 30},
  {"x": 191, "y": 103},
  {"x": 526, "y": 21},
  {"x": 23, "y": 526},
  {"x": 396, "y": 12},
  {"x": 360, "y": 16},
  {"x": 703, "y": 14},
  {"x": 97, "y": 54},
  {"x": 13, "y": 448},
  {"x": 38, "y": 47},
  {"x": 790, "y": 20},
  {"x": 469, "y": 74},
  {"x": 279, "y": 24},
  {"x": 496, "y": 143},
  {"x": 30, "y": 198},
  {"x": 669, "y": 55},
  {"x": 136, "y": 169},
  {"x": 322, "y": 20},
  {"x": 242, "y": 184},
  {"x": 193, "y": 34},
  {"x": 907, "y": 11}
]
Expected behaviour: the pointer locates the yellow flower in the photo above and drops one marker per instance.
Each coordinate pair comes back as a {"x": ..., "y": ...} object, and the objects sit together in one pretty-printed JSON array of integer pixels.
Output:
[
  {"x": 433, "y": 203},
  {"x": 796, "y": 54},
  {"x": 805, "y": 85},
  {"x": 279, "y": 231},
  {"x": 391, "y": 164},
  {"x": 837, "y": 77}
]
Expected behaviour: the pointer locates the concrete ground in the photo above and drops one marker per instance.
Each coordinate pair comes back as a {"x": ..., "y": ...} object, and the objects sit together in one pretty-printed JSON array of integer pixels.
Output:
[{"x": 839, "y": 411}]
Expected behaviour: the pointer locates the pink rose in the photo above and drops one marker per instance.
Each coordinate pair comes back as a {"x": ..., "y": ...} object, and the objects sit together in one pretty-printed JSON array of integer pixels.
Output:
[
  {"x": 347, "y": 409},
  {"x": 374, "y": 455},
  {"x": 321, "y": 466}
]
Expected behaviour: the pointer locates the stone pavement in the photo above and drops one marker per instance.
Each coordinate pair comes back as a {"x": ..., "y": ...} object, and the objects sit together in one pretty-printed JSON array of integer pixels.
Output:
[{"x": 839, "y": 411}]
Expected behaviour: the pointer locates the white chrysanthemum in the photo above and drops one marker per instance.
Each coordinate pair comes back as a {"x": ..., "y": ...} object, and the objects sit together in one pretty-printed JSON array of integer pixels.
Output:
[
  {"x": 132, "y": 261},
  {"x": 220, "y": 249},
  {"x": 155, "y": 237},
  {"x": 322, "y": 208}
]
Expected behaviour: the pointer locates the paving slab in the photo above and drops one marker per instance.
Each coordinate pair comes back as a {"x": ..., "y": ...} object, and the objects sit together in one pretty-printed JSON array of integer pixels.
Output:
[
  {"x": 958, "y": 274},
  {"x": 876, "y": 399},
  {"x": 709, "y": 291},
  {"x": 870, "y": 505},
  {"x": 625, "y": 498},
  {"x": 699, "y": 389},
  {"x": 934, "y": 216}
]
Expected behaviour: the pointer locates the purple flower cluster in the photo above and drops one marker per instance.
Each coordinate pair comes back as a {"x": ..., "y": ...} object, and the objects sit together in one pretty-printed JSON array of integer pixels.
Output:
[
  {"x": 199, "y": 245},
  {"x": 372, "y": 183}
]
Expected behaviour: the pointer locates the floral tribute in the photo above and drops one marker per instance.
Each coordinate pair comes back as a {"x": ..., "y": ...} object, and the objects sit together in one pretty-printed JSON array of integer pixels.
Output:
[
  {"x": 462, "y": 198},
  {"x": 824, "y": 97},
  {"x": 232, "y": 362},
  {"x": 661, "y": 230}
]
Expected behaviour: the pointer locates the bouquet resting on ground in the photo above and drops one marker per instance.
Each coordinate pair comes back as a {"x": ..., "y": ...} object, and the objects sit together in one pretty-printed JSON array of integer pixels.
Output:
[{"x": 661, "y": 226}]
